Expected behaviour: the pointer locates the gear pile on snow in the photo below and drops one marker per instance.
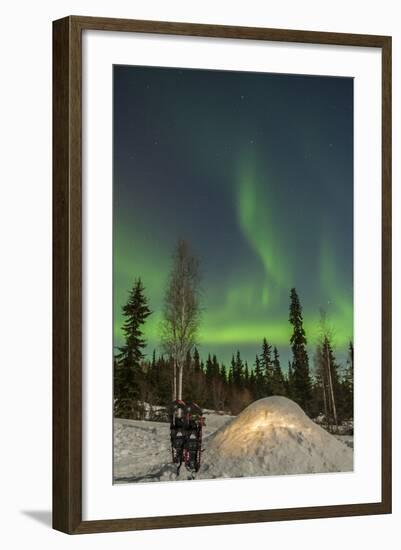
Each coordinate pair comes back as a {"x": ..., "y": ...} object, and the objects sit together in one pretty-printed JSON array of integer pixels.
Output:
[{"x": 186, "y": 423}]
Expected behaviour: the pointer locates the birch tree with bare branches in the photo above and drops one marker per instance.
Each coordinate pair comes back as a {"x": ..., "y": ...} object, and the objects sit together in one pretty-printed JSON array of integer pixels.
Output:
[{"x": 181, "y": 315}]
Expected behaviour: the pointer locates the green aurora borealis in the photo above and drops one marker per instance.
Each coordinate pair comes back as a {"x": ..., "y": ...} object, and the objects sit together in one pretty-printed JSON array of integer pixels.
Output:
[{"x": 256, "y": 172}]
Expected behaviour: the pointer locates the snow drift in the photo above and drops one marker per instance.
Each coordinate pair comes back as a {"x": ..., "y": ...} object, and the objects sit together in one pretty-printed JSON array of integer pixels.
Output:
[{"x": 273, "y": 436}]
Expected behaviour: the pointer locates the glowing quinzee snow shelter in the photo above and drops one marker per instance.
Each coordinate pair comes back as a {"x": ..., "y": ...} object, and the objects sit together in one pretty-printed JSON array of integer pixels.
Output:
[{"x": 273, "y": 436}]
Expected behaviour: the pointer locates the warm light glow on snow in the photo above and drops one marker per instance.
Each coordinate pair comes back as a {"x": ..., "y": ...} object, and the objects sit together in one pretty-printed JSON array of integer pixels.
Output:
[{"x": 265, "y": 421}]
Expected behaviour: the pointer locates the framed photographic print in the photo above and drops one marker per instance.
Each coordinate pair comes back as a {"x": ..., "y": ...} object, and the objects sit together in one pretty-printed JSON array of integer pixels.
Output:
[{"x": 222, "y": 274}]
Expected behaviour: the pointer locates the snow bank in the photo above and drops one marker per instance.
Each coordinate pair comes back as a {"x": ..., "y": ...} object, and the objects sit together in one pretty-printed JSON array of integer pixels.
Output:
[{"x": 273, "y": 436}]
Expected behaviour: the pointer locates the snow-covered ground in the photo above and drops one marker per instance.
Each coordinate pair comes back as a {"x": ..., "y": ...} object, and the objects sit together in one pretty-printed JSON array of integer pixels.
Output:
[
  {"x": 273, "y": 436},
  {"x": 347, "y": 439},
  {"x": 142, "y": 450}
]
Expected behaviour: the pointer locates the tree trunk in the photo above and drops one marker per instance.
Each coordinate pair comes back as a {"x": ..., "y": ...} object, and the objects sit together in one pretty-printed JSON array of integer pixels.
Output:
[
  {"x": 333, "y": 402},
  {"x": 326, "y": 412},
  {"x": 174, "y": 380},
  {"x": 180, "y": 369}
]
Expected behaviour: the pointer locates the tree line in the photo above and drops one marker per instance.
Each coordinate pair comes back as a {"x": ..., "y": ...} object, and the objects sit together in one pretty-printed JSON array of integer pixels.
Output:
[{"x": 325, "y": 391}]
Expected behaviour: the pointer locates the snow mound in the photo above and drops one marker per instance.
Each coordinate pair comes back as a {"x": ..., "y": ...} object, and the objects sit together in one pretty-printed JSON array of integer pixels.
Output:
[{"x": 273, "y": 436}]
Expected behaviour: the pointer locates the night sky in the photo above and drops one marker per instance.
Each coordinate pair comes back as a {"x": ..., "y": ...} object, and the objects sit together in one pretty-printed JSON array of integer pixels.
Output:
[{"x": 255, "y": 171}]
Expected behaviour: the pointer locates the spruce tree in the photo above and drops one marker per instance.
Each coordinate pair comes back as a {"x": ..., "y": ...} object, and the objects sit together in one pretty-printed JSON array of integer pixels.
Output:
[
  {"x": 215, "y": 367},
  {"x": 278, "y": 383},
  {"x": 152, "y": 373},
  {"x": 267, "y": 367},
  {"x": 252, "y": 385},
  {"x": 164, "y": 386},
  {"x": 197, "y": 365},
  {"x": 348, "y": 384},
  {"x": 238, "y": 372},
  {"x": 246, "y": 375},
  {"x": 331, "y": 381},
  {"x": 230, "y": 377},
  {"x": 197, "y": 380},
  {"x": 259, "y": 379},
  {"x": 289, "y": 381},
  {"x": 319, "y": 389},
  {"x": 127, "y": 366},
  {"x": 301, "y": 380},
  {"x": 209, "y": 369},
  {"x": 223, "y": 374},
  {"x": 188, "y": 361}
]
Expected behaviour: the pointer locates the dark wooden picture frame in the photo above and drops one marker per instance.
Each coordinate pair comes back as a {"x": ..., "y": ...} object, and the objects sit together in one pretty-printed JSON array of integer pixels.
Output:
[{"x": 67, "y": 274}]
